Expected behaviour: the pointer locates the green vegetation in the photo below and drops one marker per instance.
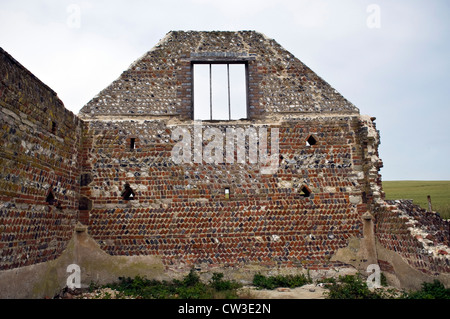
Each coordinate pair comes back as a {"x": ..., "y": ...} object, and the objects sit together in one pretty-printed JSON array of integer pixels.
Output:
[
  {"x": 289, "y": 281},
  {"x": 351, "y": 287},
  {"x": 354, "y": 287},
  {"x": 434, "y": 290},
  {"x": 418, "y": 192},
  {"x": 190, "y": 287}
]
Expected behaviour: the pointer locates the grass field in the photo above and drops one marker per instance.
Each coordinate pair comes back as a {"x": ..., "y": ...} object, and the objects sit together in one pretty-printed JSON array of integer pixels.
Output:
[{"x": 418, "y": 192}]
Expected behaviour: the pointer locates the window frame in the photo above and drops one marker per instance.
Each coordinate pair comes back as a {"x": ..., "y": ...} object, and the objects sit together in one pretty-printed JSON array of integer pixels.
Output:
[{"x": 230, "y": 107}]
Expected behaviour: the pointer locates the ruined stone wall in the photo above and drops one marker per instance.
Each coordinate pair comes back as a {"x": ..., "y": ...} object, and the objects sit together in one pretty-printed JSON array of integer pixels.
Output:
[
  {"x": 38, "y": 155},
  {"x": 160, "y": 82},
  {"x": 181, "y": 213},
  {"x": 421, "y": 238},
  {"x": 323, "y": 194}
]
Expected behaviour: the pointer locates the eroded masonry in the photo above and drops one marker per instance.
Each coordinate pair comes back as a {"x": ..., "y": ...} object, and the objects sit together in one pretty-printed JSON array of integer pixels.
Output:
[{"x": 214, "y": 150}]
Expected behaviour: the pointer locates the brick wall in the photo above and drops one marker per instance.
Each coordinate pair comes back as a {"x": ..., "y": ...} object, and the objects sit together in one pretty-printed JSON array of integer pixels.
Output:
[
  {"x": 197, "y": 213},
  {"x": 38, "y": 155},
  {"x": 422, "y": 238},
  {"x": 160, "y": 82},
  {"x": 180, "y": 211}
]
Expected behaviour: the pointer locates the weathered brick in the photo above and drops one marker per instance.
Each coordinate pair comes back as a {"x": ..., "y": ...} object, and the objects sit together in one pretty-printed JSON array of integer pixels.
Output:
[{"x": 180, "y": 211}]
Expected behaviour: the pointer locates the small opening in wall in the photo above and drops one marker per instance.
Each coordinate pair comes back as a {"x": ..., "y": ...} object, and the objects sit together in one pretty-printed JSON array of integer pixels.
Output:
[
  {"x": 311, "y": 140},
  {"x": 50, "y": 198},
  {"x": 54, "y": 126},
  {"x": 364, "y": 197},
  {"x": 128, "y": 193},
  {"x": 132, "y": 143},
  {"x": 85, "y": 203},
  {"x": 227, "y": 193},
  {"x": 305, "y": 191},
  {"x": 85, "y": 179}
]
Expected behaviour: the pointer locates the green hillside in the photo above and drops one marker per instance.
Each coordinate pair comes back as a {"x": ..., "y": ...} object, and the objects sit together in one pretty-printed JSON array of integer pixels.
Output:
[{"x": 418, "y": 192}]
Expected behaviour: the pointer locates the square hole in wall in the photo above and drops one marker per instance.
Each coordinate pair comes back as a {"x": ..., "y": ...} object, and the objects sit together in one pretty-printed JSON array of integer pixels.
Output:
[
  {"x": 227, "y": 193},
  {"x": 84, "y": 203},
  {"x": 50, "y": 198},
  {"x": 54, "y": 127},
  {"x": 311, "y": 140},
  {"x": 85, "y": 179},
  {"x": 305, "y": 191},
  {"x": 128, "y": 193},
  {"x": 132, "y": 143}
]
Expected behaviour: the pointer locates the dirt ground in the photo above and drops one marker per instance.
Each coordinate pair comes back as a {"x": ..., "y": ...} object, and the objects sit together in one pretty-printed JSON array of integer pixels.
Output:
[{"x": 310, "y": 291}]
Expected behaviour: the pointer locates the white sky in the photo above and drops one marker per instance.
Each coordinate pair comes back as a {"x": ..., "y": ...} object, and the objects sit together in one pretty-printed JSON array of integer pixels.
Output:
[{"x": 397, "y": 72}]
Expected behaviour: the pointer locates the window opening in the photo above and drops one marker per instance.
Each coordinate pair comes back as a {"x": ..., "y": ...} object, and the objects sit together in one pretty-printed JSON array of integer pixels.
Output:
[
  {"x": 85, "y": 179},
  {"x": 220, "y": 91},
  {"x": 311, "y": 140},
  {"x": 364, "y": 197},
  {"x": 227, "y": 193},
  {"x": 50, "y": 198},
  {"x": 132, "y": 143},
  {"x": 84, "y": 203},
  {"x": 304, "y": 191},
  {"x": 54, "y": 125},
  {"x": 128, "y": 193}
]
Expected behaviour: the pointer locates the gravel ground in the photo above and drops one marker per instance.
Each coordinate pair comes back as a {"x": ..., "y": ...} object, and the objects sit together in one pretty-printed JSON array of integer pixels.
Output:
[{"x": 305, "y": 292}]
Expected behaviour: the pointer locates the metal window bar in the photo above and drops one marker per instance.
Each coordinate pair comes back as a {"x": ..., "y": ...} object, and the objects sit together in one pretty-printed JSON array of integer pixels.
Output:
[
  {"x": 211, "y": 91},
  {"x": 229, "y": 95}
]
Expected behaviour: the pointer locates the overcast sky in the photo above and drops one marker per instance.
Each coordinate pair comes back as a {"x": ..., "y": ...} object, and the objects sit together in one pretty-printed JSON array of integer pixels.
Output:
[{"x": 389, "y": 58}]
